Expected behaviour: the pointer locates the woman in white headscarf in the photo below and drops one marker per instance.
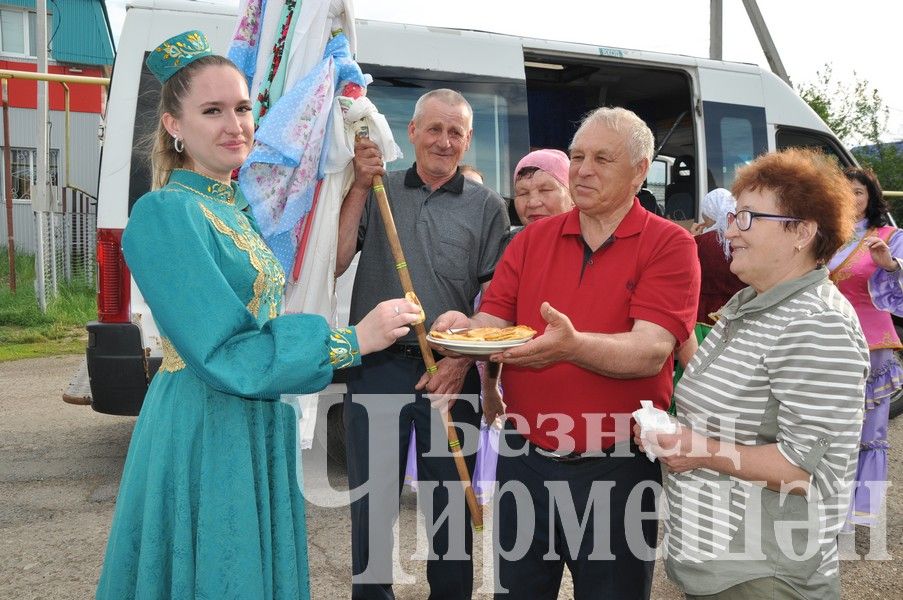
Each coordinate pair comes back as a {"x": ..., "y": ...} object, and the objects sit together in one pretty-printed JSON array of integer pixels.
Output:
[{"x": 714, "y": 250}]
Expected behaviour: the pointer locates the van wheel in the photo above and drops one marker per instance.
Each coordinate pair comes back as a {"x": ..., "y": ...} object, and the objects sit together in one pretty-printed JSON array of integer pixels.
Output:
[{"x": 896, "y": 404}]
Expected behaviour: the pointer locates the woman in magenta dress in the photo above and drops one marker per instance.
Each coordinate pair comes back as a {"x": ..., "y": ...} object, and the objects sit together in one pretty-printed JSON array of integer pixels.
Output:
[{"x": 868, "y": 272}]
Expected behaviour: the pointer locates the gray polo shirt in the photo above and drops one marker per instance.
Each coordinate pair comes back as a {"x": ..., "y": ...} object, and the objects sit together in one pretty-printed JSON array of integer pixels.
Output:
[{"x": 452, "y": 238}]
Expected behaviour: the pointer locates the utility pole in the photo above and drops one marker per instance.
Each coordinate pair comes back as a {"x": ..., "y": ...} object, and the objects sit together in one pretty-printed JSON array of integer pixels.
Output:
[
  {"x": 716, "y": 21},
  {"x": 39, "y": 198},
  {"x": 768, "y": 47},
  {"x": 8, "y": 192}
]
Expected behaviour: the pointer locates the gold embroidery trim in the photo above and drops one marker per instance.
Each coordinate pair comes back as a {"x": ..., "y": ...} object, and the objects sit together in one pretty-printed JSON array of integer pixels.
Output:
[
  {"x": 217, "y": 191},
  {"x": 270, "y": 276},
  {"x": 342, "y": 351},
  {"x": 172, "y": 362},
  {"x": 887, "y": 342},
  {"x": 180, "y": 50}
]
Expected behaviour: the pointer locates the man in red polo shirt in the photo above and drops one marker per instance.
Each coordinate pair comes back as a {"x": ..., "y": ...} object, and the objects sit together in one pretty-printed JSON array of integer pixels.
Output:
[{"x": 613, "y": 289}]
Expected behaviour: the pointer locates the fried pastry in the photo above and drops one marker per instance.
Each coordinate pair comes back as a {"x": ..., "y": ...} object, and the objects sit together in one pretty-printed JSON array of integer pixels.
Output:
[
  {"x": 412, "y": 298},
  {"x": 487, "y": 334},
  {"x": 515, "y": 332}
]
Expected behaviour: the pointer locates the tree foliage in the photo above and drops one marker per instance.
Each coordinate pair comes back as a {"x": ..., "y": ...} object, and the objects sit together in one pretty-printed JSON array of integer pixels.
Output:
[{"x": 854, "y": 111}]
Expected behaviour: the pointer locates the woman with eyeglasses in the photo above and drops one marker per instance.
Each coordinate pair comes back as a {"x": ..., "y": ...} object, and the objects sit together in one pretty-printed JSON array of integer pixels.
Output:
[
  {"x": 760, "y": 470},
  {"x": 866, "y": 271}
]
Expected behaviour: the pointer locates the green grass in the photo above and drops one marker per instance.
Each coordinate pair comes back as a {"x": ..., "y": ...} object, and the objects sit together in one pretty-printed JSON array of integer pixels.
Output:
[{"x": 26, "y": 332}]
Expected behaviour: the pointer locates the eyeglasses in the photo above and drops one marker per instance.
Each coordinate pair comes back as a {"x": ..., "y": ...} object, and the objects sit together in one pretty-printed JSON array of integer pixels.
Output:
[{"x": 744, "y": 218}]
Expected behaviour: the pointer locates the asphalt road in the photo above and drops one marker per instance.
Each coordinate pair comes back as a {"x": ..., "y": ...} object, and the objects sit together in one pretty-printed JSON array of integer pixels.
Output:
[{"x": 59, "y": 472}]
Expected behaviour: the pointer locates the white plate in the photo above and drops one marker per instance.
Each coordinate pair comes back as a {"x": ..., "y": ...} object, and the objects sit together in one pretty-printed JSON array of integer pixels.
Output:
[{"x": 477, "y": 348}]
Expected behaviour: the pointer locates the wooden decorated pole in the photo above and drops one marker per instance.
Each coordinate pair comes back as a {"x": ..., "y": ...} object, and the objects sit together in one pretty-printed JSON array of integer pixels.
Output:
[{"x": 379, "y": 190}]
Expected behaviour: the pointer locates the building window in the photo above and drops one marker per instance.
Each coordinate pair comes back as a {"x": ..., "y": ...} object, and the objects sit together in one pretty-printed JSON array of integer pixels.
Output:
[
  {"x": 17, "y": 32},
  {"x": 24, "y": 170}
]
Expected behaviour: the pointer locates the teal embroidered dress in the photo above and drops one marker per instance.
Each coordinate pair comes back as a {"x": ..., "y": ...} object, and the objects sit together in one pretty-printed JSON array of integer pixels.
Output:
[{"x": 210, "y": 505}]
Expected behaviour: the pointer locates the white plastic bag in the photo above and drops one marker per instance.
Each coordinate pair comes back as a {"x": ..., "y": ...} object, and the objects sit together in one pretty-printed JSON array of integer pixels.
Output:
[{"x": 651, "y": 419}]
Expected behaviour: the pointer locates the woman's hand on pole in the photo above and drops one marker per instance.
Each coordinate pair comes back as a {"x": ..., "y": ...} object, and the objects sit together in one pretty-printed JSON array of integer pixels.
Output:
[{"x": 383, "y": 325}]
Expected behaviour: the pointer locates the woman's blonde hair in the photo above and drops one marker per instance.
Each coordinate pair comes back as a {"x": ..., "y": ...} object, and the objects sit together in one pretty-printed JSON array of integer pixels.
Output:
[{"x": 163, "y": 155}]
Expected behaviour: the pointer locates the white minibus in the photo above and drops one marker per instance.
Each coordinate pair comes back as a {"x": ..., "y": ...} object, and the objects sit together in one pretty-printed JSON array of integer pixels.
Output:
[{"x": 709, "y": 118}]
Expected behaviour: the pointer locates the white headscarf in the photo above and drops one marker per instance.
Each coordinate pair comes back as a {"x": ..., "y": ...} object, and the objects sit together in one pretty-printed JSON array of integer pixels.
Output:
[{"x": 715, "y": 205}]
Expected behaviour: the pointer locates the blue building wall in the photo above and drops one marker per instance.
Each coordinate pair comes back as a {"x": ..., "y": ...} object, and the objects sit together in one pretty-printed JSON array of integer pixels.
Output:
[{"x": 80, "y": 30}]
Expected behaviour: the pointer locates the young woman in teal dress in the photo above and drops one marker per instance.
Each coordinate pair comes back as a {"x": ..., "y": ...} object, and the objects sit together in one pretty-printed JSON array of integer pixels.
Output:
[{"x": 210, "y": 504}]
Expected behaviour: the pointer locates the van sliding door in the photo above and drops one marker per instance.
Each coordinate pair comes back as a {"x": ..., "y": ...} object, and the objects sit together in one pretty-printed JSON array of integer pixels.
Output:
[{"x": 562, "y": 87}]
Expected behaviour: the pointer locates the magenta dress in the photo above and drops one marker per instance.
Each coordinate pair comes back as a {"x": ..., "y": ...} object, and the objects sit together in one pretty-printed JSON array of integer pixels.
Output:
[{"x": 875, "y": 294}]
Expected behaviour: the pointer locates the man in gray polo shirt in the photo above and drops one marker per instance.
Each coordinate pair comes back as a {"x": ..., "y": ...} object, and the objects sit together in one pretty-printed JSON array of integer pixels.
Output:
[{"x": 452, "y": 232}]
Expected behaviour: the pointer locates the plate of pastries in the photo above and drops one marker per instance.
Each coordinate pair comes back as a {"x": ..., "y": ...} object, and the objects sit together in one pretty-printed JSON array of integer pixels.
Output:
[{"x": 481, "y": 341}]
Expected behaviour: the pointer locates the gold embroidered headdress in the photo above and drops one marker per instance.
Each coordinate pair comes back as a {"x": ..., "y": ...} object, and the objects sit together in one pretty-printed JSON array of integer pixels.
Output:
[{"x": 177, "y": 52}]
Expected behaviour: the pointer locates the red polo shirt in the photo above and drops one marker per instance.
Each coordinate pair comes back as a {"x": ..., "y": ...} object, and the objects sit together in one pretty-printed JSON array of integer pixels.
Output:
[{"x": 648, "y": 270}]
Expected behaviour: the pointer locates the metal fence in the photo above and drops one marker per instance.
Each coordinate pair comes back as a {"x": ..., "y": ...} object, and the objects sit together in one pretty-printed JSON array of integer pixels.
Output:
[
  {"x": 23, "y": 225},
  {"x": 65, "y": 243}
]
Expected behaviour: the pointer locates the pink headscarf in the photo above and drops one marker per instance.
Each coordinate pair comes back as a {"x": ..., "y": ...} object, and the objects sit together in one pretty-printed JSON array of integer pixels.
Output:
[{"x": 554, "y": 162}]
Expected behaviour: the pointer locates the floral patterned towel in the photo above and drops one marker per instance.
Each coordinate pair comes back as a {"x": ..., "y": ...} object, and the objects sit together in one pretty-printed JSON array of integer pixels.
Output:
[
  {"x": 280, "y": 175},
  {"x": 246, "y": 39}
]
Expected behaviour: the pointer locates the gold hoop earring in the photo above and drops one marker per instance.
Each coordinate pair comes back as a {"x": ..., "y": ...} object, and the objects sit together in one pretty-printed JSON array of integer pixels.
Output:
[{"x": 178, "y": 144}]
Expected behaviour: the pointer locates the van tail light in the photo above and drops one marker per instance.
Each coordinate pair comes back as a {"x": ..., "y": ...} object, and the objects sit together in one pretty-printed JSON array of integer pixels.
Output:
[{"x": 113, "y": 278}]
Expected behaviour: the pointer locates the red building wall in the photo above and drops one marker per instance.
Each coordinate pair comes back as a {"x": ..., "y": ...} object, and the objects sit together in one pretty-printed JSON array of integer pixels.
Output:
[{"x": 23, "y": 93}]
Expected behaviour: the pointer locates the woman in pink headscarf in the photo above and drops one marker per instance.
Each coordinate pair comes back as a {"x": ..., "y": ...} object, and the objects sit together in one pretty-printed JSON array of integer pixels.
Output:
[
  {"x": 867, "y": 271},
  {"x": 541, "y": 185}
]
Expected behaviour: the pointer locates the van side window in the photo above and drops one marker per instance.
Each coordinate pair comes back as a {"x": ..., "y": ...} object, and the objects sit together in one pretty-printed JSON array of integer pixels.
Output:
[
  {"x": 791, "y": 137},
  {"x": 734, "y": 135},
  {"x": 500, "y": 135},
  {"x": 657, "y": 178}
]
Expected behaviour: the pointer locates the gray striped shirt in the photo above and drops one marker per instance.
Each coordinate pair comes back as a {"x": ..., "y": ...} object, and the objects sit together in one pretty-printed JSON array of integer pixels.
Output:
[{"x": 786, "y": 367}]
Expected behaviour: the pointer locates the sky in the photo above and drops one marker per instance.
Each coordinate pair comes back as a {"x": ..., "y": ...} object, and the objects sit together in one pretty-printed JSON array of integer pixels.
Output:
[{"x": 858, "y": 38}]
